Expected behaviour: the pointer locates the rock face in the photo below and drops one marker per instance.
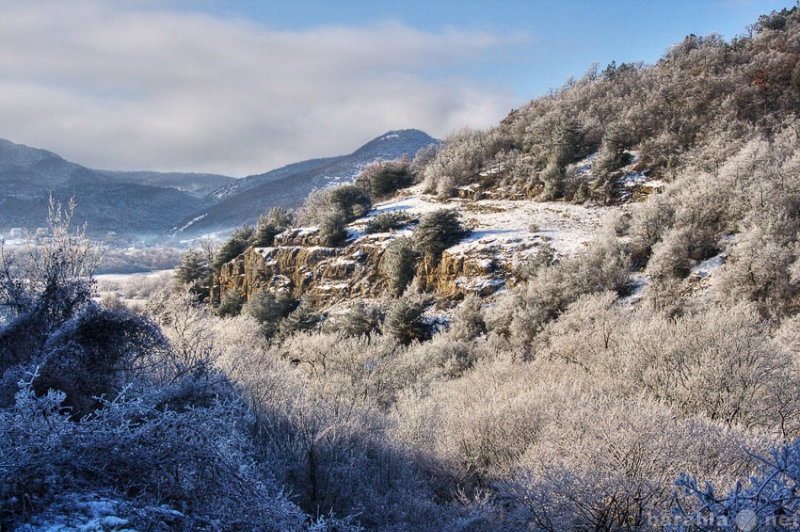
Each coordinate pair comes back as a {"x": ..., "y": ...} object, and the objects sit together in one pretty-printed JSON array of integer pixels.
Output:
[{"x": 331, "y": 275}]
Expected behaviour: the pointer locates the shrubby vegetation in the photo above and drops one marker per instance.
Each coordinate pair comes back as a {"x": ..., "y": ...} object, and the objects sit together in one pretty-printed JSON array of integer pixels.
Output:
[
  {"x": 601, "y": 392},
  {"x": 331, "y": 209},
  {"x": 380, "y": 180}
]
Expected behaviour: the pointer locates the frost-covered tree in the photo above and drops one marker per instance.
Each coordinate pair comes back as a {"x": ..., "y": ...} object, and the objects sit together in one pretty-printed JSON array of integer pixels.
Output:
[
  {"x": 233, "y": 247},
  {"x": 768, "y": 500},
  {"x": 405, "y": 320},
  {"x": 268, "y": 226},
  {"x": 44, "y": 285}
]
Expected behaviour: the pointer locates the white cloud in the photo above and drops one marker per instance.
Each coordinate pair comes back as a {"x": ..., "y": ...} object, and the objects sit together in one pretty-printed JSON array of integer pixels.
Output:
[{"x": 117, "y": 85}]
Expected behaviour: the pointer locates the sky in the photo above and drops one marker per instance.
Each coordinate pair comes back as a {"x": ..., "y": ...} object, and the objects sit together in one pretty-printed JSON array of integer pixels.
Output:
[{"x": 240, "y": 87}]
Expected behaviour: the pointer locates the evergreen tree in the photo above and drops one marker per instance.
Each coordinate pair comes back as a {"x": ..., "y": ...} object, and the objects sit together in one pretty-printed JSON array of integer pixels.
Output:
[
  {"x": 438, "y": 231},
  {"x": 267, "y": 227},
  {"x": 405, "y": 321},
  {"x": 303, "y": 318},
  {"x": 195, "y": 273},
  {"x": 399, "y": 264}
]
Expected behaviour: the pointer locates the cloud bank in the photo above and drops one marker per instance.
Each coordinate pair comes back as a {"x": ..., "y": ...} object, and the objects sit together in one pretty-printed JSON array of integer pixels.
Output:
[{"x": 118, "y": 85}]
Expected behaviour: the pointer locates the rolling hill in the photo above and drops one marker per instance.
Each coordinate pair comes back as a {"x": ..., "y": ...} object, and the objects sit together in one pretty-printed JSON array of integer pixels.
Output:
[{"x": 134, "y": 204}]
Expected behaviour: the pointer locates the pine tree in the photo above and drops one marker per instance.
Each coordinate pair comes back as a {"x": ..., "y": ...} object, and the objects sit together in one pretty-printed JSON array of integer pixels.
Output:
[{"x": 303, "y": 318}]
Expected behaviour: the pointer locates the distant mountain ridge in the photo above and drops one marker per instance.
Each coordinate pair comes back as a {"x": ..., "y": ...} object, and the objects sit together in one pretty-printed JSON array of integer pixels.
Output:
[
  {"x": 159, "y": 204},
  {"x": 194, "y": 184},
  {"x": 242, "y": 202}
]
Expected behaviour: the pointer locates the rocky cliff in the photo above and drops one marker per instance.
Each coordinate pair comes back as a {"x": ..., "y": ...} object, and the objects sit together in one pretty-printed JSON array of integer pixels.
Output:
[{"x": 297, "y": 264}]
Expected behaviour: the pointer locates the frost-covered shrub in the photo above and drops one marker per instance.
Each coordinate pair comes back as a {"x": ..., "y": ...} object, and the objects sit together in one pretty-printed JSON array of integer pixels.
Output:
[
  {"x": 43, "y": 286},
  {"x": 468, "y": 320},
  {"x": 268, "y": 309},
  {"x": 457, "y": 162},
  {"x": 187, "y": 326},
  {"x": 521, "y": 314},
  {"x": 759, "y": 269},
  {"x": 670, "y": 257},
  {"x": 399, "y": 264},
  {"x": 96, "y": 354},
  {"x": 649, "y": 221},
  {"x": 358, "y": 319},
  {"x": 382, "y": 179},
  {"x": 768, "y": 500},
  {"x": 233, "y": 247},
  {"x": 615, "y": 469},
  {"x": 268, "y": 226},
  {"x": 230, "y": 304},
  {"x": 437, "y": 231},
  {"x": 387, "y": 221},
  {"x": 303, "y": 318},
  {"x": 185, "y": 446},
  {"x": 405, "y": 320},
  {"x": 332, "y": 208},
  {"x": 586, "y": 332},
  {"x": 194, "y": 272},
  {"x": 720, "y": 363}
]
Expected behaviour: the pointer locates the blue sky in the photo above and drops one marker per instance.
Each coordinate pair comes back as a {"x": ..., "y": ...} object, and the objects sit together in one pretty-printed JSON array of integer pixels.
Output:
[
  {"x": 244, "y": 86},
  {"x": 556, "y": 38}
]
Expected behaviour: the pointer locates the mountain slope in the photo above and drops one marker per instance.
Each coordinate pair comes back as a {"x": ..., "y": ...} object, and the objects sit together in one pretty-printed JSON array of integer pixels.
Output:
[
  {"x": 28, "y": 176},
  {"x": 137, "y": 203},
  {"x": 244, "y": 201},
  {"x": 194, "y": 184}
]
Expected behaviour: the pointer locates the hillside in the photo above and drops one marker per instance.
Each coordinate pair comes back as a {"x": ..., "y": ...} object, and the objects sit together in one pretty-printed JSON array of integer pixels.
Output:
[
  {"x": 584, "y": 318},
  {"x": 618, "y": 325},
  {"x": 196, "y": 185},
  {"x": 28, "y": 176}
]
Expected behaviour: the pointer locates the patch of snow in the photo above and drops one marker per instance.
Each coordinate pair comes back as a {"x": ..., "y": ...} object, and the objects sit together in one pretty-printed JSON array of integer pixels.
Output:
[
  {"x": 656, "y": 183},
  {"x": 706, "y": 268},
  {"x": 190, "y": 223},
  {"x": 633, "y": 179}
]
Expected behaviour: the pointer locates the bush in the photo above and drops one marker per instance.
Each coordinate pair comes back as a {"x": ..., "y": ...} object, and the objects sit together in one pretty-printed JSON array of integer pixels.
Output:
[
  {"x": 195, "y": 273},
  {"x": 231, "y": 304},
  {"x": 768, "y": 500},
  {"x": 399, "y": 264},
  {"x": 185, "y": 446},
  {"x": 95, "y": 355},
  {"x": 359, "y": 319},
  {"x": 267, "y": 227},
  {"x": 44, "y": 286},
  {"x": 438, "y": 231},
  {"x": 233, "y": 247},
  {"x": 457, "y": 162},
  {"x": 405, "y": 321},
  {"x": 301, "y": 319},
  {"x": 332, "y": 209},
  {"x": 381, "y": 179},
  {"x": 269, "y": 309},
  {"x": 387, "y": 221},
  {"x": 332, "y": 230}
]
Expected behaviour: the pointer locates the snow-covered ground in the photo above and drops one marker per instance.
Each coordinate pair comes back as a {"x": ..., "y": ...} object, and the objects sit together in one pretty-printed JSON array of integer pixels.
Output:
[
  {"x": 132, "y": 289},
  {"x": 512, "y": 226}
]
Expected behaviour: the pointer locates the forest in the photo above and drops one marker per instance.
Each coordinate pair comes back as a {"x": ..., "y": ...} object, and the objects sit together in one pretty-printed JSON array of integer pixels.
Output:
[{"x": 649, "y": 382}]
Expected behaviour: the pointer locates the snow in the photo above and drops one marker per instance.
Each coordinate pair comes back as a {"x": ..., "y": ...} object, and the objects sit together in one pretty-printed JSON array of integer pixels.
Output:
[
  {"x": 81, "y": 513},
  {"x": 122, "y": 278},
  {"x": 507, "y": 224},
  {"x": 190, "y": 223},
  {"x": 707, "y": 267}
]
